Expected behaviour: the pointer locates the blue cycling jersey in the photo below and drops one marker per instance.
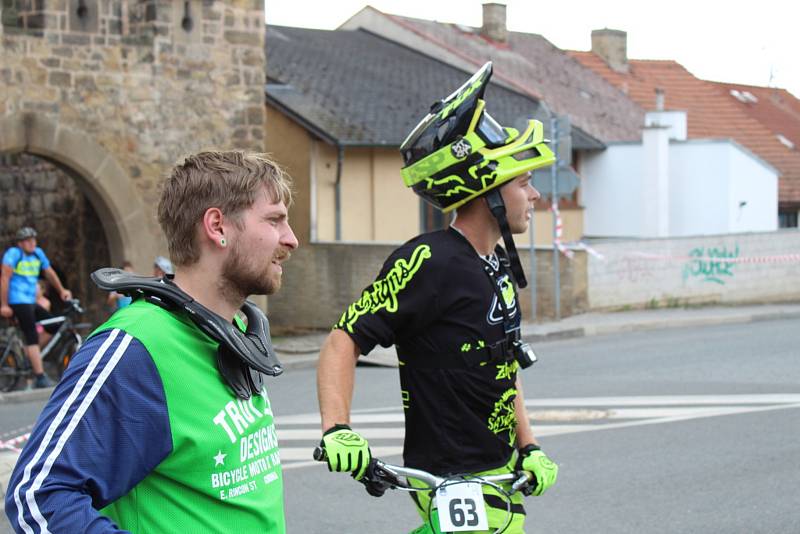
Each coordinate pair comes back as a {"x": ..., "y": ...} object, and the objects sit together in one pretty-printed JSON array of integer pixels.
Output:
[{"x": 22, "y": 286}]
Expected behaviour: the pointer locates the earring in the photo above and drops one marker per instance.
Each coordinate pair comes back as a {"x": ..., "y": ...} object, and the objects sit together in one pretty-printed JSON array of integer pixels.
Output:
[{"x": 222, "y": 242}]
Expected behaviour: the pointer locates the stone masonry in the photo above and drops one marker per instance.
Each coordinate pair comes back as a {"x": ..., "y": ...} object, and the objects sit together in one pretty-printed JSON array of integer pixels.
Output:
[{"x": 116, "y": 91}]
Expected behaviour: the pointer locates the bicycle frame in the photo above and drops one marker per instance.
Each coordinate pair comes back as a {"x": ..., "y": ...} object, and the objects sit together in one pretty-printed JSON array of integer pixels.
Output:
[
  {"x": 54, "y": 355},
  {"x": 66, "y": 329}
]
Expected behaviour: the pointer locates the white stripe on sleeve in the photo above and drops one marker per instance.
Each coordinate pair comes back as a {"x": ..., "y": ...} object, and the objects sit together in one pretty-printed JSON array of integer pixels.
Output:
[{"x": 79, "y": 386}]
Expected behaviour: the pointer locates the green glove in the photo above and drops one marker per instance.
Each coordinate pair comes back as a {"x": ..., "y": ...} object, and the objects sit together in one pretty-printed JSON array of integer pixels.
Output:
[
  {"x": 346, "y": 451},
  {"x": 545, "y": 470}
]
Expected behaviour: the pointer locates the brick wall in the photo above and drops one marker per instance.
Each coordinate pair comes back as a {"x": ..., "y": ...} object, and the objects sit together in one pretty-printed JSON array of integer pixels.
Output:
[{"x": 733, "y": 268}]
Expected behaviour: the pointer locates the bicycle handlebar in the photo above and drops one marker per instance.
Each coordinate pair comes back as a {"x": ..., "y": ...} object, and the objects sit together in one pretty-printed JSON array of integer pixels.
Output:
[
  {"x": 74, "y": 305},
  {"x": 381, "y": 476}
]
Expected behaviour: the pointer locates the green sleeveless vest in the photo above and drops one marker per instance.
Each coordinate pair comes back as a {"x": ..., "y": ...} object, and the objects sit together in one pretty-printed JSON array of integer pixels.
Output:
[{"x": 224, "y": 472}]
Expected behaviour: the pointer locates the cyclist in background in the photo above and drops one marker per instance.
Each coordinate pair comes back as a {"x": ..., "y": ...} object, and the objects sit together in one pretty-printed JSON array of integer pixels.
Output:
[
  {"x": 448, "y": 301},
  {"x": 22, "y": 265},
  {"x": 162, "y": 267}
]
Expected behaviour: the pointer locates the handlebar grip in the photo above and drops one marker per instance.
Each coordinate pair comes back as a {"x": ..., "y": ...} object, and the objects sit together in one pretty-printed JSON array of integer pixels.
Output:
[{"x": 319, "y": 454}]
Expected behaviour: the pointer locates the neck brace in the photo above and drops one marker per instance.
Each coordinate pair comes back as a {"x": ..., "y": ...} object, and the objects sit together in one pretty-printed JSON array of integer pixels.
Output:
[{"x": 243, "y": 358}]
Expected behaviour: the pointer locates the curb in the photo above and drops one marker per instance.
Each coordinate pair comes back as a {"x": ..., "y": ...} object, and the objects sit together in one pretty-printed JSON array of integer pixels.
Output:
[{"x": 18, "y": 397}]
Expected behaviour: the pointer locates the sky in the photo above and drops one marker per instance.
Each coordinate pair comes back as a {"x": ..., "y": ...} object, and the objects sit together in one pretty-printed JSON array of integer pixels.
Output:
[{"x": 753, "y": 43}]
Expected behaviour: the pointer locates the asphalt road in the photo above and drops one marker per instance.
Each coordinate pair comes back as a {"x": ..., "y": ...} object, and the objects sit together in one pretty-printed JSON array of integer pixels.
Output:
[{"x": 671, "y": 431}]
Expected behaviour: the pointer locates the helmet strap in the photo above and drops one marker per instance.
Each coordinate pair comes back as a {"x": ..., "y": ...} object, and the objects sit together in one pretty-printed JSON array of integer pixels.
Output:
[{"x": 498, "y": 209}]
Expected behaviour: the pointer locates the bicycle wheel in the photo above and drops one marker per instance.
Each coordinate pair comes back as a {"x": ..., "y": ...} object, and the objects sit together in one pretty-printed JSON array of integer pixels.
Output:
[
  {"x": 11, "y": 366},
  {"x": 54, "y": 367}
]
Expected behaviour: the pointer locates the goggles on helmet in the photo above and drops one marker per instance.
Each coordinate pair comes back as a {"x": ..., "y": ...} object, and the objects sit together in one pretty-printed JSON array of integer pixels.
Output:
[{"x": 459, "y": 152}]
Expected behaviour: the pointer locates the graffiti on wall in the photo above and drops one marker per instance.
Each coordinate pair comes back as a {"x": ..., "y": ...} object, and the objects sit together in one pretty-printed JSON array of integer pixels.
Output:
[{"x": 711, "y": 264}]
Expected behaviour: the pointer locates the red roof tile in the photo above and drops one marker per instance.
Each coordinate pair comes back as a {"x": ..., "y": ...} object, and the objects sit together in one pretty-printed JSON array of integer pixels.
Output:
[{"x": 713, "y": 113}]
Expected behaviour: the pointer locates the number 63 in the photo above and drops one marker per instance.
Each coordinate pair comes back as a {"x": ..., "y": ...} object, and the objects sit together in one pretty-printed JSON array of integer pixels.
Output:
[{"x": 462, "y": 511}]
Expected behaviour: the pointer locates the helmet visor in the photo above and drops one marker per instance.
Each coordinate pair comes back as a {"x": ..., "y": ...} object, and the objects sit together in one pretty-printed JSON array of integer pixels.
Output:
[{"x": 491, "y": 132}]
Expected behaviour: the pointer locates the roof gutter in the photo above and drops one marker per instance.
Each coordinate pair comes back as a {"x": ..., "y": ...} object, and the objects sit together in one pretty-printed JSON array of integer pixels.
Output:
[
  {"x": 319, "y": 132},
  {"x": 308, "y": 125}
]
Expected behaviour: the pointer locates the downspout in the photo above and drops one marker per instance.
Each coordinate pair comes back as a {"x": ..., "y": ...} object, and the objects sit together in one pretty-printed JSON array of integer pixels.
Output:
[{"x": 338, "y": 191}]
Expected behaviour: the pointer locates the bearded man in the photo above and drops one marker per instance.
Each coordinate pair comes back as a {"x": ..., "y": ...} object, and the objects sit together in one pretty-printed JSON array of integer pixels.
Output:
[{"x": 162, "y": 421}]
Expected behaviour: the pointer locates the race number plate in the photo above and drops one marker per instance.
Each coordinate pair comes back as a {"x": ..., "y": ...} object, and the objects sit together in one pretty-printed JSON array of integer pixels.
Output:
[{"x": 461, "y": 507}]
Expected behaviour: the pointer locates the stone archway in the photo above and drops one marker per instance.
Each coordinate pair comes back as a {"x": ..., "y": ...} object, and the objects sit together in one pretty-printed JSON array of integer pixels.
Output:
[{"x": 97, "y": 173}]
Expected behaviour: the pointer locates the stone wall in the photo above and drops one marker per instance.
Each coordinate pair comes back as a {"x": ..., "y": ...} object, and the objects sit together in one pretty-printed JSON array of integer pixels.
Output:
[
  {"x": 118, "y": 93},
  {"x": 39, "y": 194},
  {"x": 322, "y": 279},
  {"x": 732, "y": 268}
]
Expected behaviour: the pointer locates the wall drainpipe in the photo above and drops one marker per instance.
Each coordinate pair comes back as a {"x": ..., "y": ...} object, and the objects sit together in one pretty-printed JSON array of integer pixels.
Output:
[{"x": 338, "y": 191}]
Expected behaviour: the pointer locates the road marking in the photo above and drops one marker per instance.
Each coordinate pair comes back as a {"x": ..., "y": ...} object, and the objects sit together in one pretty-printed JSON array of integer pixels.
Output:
[
  {"x": 672, "y": 400},
  {"x": 299, "y": 434}
]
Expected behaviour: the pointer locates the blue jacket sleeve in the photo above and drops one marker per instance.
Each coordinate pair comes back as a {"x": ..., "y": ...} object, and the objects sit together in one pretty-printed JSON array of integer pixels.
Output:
[{"x": 103, "y": 430}]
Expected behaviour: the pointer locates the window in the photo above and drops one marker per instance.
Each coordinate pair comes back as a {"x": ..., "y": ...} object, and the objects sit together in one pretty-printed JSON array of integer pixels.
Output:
[{"x": 787, "y": 219}]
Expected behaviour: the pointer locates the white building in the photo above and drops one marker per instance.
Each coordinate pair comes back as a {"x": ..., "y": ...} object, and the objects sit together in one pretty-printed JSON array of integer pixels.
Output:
[{"x": 668, "y": 186}]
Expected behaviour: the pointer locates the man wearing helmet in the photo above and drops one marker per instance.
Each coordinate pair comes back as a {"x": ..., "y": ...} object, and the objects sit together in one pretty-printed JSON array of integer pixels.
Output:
[
  {"x": 448, "y": 301},
  {"x": 22, "y": 265}
]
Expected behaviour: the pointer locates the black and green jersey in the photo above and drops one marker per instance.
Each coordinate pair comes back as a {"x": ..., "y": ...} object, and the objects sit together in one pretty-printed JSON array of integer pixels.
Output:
[{"x": 439, "y": 303}]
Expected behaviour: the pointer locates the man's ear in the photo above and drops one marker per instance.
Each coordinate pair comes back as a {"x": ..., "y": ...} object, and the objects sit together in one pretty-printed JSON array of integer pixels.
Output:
[{"x": 213, "y": 227}]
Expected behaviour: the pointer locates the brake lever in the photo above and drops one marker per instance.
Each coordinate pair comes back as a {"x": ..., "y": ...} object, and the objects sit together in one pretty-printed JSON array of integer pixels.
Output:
[
  {"x": 375, "y": 477},
  {"x": 525, "y": 482},
  {"x": 377, "y": 480}
]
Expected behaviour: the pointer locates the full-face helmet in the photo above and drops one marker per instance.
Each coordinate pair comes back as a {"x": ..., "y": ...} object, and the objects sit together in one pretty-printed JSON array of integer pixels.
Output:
[{"x": 459, "y": 152}]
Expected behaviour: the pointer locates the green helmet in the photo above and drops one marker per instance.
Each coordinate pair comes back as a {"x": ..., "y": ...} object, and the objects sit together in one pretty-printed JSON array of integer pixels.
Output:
[{"x": 459, "y": 152}]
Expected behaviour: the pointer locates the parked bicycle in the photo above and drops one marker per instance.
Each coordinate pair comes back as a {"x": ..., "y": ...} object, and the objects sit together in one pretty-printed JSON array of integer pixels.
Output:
[
  {"x": 56, "y": 355},
  {"x": 459, "y": 500}
]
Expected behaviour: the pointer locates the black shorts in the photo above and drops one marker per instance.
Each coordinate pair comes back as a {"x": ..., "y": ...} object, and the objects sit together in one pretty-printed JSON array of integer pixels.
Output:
[{"x": 27, "y": 315}]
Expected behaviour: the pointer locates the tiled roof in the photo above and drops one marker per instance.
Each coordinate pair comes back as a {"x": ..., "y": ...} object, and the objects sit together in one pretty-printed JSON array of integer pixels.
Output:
[
  {"x": 775, "y": 108},
  {"x": 356, "y": 88},
  {"x": 711, "y": 113},
  {"x": 533, "y": 64}
]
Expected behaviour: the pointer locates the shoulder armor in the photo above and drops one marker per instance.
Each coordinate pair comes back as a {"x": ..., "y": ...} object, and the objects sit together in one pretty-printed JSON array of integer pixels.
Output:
[{"x": 242, "y": 358}]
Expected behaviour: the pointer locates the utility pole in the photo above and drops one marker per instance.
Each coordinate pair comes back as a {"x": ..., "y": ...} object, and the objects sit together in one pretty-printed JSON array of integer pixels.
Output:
[{"x": 554, "y": 193}]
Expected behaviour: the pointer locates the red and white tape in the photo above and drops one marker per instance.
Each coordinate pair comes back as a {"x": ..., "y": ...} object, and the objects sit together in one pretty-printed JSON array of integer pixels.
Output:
[
  {"x": 12, "y": 443},
  {"x": 559, "y": 231},
  {"x": 781, "y": 258}
]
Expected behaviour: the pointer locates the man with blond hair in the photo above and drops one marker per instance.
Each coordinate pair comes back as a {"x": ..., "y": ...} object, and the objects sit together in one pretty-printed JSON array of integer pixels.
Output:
[{"x": 161, "y": 423}]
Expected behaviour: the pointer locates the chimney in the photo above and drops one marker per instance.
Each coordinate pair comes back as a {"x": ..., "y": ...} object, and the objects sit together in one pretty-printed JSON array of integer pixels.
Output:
[
  {"x": 612, "y": 46},
  {"x": 494, "y": 22},
  {"x": 659, "y": 99}
]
